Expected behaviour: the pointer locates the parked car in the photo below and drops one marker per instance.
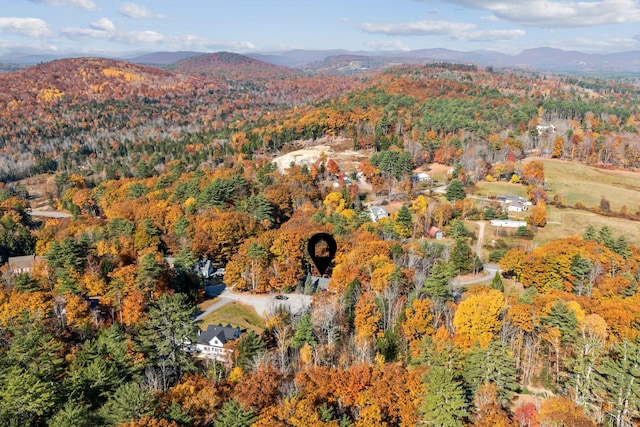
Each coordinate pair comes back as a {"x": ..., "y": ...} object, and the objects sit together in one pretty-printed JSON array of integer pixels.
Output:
[{"x": 282, "y": 297}]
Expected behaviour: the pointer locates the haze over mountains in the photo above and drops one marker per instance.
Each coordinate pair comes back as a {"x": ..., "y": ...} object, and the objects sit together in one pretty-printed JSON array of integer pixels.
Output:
[{"x": 547, "y": 59}]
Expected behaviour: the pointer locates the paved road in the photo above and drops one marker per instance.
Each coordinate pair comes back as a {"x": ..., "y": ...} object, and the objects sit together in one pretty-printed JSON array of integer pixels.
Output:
[
  {"x": 489, "y": 271},
  {"x": 50, "y": 214},
  {"x": 263, "y": 304}
]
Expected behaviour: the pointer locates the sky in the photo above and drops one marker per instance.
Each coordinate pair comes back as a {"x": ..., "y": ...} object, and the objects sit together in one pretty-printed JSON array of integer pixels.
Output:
[{"x": 123, "y": 28}]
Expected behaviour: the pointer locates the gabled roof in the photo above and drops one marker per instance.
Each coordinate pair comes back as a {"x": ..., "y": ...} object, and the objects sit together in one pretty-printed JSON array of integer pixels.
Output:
[
  {"x": 378, "y": 210},
  {"x": 223, "y": 333},
  {"x": 24, "y": 262}
]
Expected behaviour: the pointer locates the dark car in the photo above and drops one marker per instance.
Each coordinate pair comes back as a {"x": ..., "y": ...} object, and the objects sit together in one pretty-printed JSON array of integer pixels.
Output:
[{"x": 282, "y": 297}]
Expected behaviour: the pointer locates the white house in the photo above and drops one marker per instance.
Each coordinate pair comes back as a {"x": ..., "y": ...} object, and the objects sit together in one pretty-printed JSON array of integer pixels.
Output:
[
  {"x": 517, "y": 207},
  {"x": 23, "y": 264},
  {"x": 210, "y": 343},
  {"x": 421, "y": 177},
  {"x": 508, "y": 223},
  {"x": 377, "y": 213}
]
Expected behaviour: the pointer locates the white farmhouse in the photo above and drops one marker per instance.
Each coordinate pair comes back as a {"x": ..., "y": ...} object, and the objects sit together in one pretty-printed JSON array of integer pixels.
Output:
[
  {"x": 377, "y": 213},
  {"x": 210, "y": 344}
]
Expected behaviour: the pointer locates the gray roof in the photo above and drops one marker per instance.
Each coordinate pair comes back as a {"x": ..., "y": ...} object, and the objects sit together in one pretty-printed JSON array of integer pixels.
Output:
[
  {"x": 378, "y": 210},
  {"x": 224, "y": 334},
  {"x": 22, "y": 262}
]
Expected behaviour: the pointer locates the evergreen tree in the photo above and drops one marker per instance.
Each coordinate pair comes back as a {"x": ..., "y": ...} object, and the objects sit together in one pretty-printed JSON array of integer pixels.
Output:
[
  {"x": 605, "y": 236},
  {"x": 148, "y": 274},
  {"x": 232, "y": 414},
  {"x": 403, "y": 219},
  {"x": 497, "y": 282},
  {"x": 308, "y": 285},
  {"x": 303, "y": 332},
  {"x": 444, "y": 401},
  {"x": 258, "y": 207},
  {"x": 24, "y": 396},
  {"x": 349, "y": 300},
  {"x": 493, "y": 364},
  {"x": 100, "y": 366},
  {"x": 131, "y": 401},
  {"x": 249, "y": 346},
  {"x": 162, "y": 337},
  {"x": 463, "y": 259},
  {"x": 437, "y": 285},
  {"x": 455, "y": 191},
  {"x": 490, "y": 213},
  {"x": 564, "y": 319},
  {"x": 580, "y": 269},
  {"x": 73, "y": 413},
  {"x": 584, "y": 381},
  {"x": 590, "y": 233},
  {"x": 457, "y": 230},
  {"x": 620, "y": 378}
]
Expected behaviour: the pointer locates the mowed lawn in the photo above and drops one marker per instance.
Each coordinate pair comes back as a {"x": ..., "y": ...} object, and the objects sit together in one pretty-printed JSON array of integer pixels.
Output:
[
  {"x": 580, "y": 183},
  {"x": 235, "y": 314}
]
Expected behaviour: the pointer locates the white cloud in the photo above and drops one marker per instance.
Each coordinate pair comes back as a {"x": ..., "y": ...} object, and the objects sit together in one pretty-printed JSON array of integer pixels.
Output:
[
  {"x": 454, "y": 30},
  {"x": 419, "y": 28},
  {"x": 386, "y": 46},
  {"x": 103, "y": 24},
  {"x": 82, "y": 4},
  {"x": 30, "y": 27},
  {"x": 552, "y": 14},
  {"x": 104, "y": 29},
  {"x": 489, "y": 35},
  {"x": 603, "y": 45},
  {"x": 135, "y": 37},
  {"x": 190, "y": 41},
  {"x": 26, "y": 47},
  {"x": 133, "y": 10},
  {"x": 125, "y": 37}
]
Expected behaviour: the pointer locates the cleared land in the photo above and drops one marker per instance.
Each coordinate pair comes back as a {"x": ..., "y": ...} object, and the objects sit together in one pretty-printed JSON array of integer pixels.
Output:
[
  {"x": 235, "y": 314},
  {"x": 574, "y": 183}
]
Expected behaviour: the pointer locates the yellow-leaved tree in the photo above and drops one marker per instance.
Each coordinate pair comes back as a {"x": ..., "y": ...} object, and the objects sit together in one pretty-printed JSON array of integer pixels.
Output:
[{"x": 478, "y": 317}]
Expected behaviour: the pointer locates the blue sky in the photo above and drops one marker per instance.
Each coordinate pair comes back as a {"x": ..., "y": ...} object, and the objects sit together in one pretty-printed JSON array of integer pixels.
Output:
[{"x": 114, "y": 27}]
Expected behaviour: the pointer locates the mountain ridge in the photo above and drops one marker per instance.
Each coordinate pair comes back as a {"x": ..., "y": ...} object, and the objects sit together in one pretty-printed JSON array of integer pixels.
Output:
[{"x": 539, "y": 58}]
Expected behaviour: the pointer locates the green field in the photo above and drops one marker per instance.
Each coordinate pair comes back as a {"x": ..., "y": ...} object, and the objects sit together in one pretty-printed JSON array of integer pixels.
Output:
[
  {"x": 575, "y": 182},
  {"x": 579, "y": 183},
  {"x": 500, "y": 189},
  {"x": 235, "y": 314}
]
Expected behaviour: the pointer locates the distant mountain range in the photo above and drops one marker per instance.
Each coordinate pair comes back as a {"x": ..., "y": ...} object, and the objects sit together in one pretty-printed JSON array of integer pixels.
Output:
[{"x": 544, "y": 59}]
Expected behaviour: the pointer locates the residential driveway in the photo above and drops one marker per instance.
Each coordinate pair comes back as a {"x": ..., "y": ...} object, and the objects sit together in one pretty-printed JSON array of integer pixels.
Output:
[
  {"x": 50, "y": 214},
  {"x": 264, "y": 305}
]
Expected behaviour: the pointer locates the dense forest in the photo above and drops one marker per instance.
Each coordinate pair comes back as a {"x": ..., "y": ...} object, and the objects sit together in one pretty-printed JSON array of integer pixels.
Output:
[{"x": 162, "y": 168}]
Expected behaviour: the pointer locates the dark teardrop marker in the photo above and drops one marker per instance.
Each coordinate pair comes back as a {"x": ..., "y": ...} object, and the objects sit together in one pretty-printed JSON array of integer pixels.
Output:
[{"x": 322, "y": 259}]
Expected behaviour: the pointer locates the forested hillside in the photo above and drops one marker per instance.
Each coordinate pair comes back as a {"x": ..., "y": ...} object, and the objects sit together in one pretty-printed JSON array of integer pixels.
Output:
[{"x": 434, "y": 310}]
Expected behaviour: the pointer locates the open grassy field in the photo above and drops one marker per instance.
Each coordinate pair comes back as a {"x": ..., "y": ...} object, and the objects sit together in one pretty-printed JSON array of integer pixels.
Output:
[
  {"x": 235, "y": 314},
  {"x": 500, "y": 189},
  {"x": 569, "y": 222},
  {"x": 579, "y": 183}
]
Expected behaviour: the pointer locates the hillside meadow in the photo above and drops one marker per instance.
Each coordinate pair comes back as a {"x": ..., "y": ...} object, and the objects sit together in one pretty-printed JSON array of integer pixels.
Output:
[{"x": 573, "y": 183}]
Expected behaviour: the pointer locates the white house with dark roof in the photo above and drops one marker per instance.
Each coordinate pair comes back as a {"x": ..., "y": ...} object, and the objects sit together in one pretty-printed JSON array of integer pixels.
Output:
[{"x": 210, "y": 344}]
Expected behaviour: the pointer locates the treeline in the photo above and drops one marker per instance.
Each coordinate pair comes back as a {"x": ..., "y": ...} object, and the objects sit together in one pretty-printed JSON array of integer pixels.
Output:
[{"x": 83, "y": 114}]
